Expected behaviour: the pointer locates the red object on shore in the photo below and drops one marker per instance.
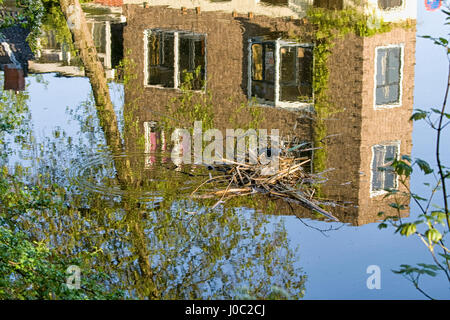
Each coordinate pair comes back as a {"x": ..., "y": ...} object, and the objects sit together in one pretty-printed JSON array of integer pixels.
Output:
[
  {"x": 110, "y": 3},
  {"x": 14, "y": 78}
]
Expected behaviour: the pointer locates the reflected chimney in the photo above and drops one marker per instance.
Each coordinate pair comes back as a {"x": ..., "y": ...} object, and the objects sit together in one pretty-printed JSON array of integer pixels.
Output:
[{"x": 14, "y": 78}]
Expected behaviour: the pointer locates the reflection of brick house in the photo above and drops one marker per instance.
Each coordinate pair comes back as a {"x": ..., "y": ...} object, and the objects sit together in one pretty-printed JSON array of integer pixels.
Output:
[
  {"x": 247, "y": 57},
  {"x": 374, "y": 126},
  {"x": 217, "y": 43}
]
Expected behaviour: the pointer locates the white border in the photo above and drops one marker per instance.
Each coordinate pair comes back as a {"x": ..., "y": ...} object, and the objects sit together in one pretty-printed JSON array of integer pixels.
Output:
[
  {"x": 396, "y": 143},
  {"x": 402, "y": 63}
]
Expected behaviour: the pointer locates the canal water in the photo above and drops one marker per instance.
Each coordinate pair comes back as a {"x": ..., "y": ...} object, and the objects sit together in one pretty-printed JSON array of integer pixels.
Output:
[{"x": 134, "y": 208}]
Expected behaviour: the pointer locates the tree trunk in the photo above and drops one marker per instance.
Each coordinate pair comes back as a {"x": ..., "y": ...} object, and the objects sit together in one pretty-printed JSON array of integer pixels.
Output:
[
  {"x": 84, "y": 43},
  {"x": 94, "y": 70}
]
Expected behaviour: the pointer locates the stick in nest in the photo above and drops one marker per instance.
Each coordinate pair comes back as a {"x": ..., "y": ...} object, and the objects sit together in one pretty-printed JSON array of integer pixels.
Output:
[{"x": 290, "y": 182}]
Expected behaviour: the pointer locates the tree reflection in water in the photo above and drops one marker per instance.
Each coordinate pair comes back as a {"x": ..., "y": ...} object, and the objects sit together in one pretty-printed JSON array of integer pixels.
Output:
[{"x": 163, "y": 247}]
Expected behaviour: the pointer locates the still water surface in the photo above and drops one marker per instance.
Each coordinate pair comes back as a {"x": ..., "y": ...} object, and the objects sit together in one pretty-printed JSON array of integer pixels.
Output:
[{"x": 225, "y": 250}]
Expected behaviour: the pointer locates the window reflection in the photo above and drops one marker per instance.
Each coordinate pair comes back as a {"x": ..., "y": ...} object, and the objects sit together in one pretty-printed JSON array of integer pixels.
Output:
[
  {"x": 176, "y": 58},
  {"x": 192, "y": 53},
  {"x": 388, "y": 76},
  {"x": 161, "y": 59},
  {"x": 296, "y": 74},
  {"x": 281, "y": 72},
  {"x": 383, "y": 175}
]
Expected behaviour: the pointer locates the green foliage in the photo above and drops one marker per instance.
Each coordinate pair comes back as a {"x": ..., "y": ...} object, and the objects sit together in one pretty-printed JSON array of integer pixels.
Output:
[
  {"x": 407, "y": 229},
  {"x": 30, "y": 267},
  {"x": 419, "y": 115},
  {"x": 131, "y": 122},
  {"x": 429, "y": 116},
  {"x": 30, "y": 271},
  {"x": 428, "y": 269},
  {"x": 54, "y": 20},
  {"x": 404, "y": 170},
  {"x": 433, "y": 226},
  {"x": 190, "y": 106},
  {"x": 433, "y": 235},
  {"x": 438, "y": 41},
  {"x": 413, "y": 274},
  {"x": 168, "y": 248},
  {"x": 13, "y": 110},
  {"x": 424, "y": 166},
  {"x": 382, "y": 226},
  {"x": 14, "y": 120},
  {"x": 343, "y": 22},
  {"x": 402, "y": 167},
  {"x": 29, "y": 17},
  {"x": 276, "y": 293},
  {"x": 38, "y": 16}
]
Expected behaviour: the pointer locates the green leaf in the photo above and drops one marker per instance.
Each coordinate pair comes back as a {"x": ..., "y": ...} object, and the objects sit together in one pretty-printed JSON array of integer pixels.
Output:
[
  {"x": 443, "y": 41},
  {"x": 433, "y": 235},
  {"x": 397, "y": 206},
  {"x": 382, "y": 226},
  {"x": 405, "y": 268},
  {"x": 428, "y": 266},
  {"x": 417, "y": 197},
  {"x": 445, "y": 256},
  {"x": 439, "y": 216},
  {"x": 407, "y": 229},
  {"x": 429, "y": 272},
  {"x": 436, "y": 110},
  {"x": 406, "y": 158},
  {"x": 424, "y": 166},
  {"x": 402, "y": 168},
  {"x": 419, "y": 115}
]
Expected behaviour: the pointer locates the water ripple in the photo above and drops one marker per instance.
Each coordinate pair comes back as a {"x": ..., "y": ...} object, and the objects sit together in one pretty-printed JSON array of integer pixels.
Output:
[{"x": 97, "y": 173}]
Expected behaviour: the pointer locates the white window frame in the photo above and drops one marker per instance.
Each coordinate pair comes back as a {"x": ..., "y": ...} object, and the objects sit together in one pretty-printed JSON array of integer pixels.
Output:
[
  {"x": 176, "y": 59},
  {"x": 277, "y": 103},
  {"x": 402, "y": 63},
  {"x": 376, "y": 193}
]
